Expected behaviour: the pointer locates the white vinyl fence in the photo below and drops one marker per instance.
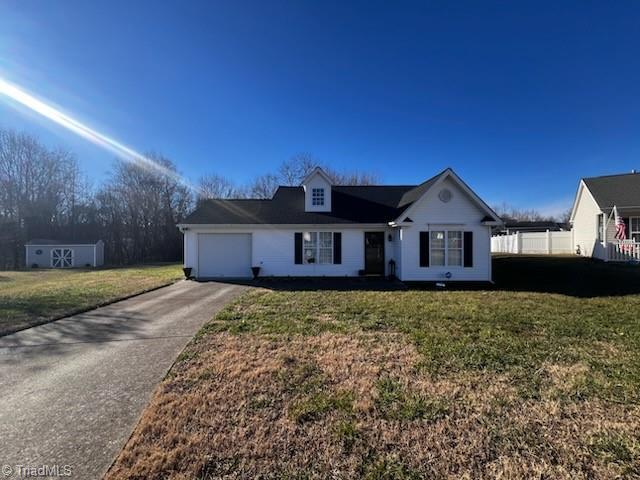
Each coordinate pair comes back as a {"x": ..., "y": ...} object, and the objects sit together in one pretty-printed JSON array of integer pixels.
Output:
[{"x": 548, "y": 243}]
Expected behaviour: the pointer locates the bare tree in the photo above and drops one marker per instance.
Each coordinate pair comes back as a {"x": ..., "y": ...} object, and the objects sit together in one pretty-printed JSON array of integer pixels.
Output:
[
  {"x": 566, "y": 215},
  {"x": 263, "y": 186},
  {"x": 293, "y": 171},
  {"x": 352, "y": 178},
  {"x": 40, "y": 193},
  {"x": 509, "y": 212},
  {"x": 216, "y": 186},
  {"x": 139, "y": 210}
]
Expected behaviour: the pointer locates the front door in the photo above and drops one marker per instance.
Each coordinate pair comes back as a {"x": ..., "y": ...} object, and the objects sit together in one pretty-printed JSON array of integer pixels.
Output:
[{"x": 374, "y": 253}]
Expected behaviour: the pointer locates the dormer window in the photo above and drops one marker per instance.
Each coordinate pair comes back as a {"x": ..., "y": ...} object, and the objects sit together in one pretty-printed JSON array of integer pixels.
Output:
[
  {"x": 317, "y": 191},
  {"x": 317, "y": 197}
]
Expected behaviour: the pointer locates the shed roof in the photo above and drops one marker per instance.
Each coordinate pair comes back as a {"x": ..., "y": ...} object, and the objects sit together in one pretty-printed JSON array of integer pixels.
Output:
[{"x": 49, "y": 241}]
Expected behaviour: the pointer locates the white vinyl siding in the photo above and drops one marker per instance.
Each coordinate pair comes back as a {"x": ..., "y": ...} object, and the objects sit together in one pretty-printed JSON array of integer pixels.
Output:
[
  {"x": 460, "y": 214},
  {"x": 315, "y": 184},
  {"x": 273, "y": 250},
  {"x": 585, "y": 225}
]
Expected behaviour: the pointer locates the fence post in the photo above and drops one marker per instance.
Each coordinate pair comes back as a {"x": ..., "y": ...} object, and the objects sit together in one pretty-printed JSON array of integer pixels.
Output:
[
  {"x": 518, "y": 242},
  {"x": 548, "y": 242}
]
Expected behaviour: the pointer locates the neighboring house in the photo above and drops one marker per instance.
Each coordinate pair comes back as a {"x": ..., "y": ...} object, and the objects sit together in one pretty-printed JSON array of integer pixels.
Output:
[
  {"x": 592, "y": 218},
  {"x": 513, "y": 226},
  {"x": 438, "y": 230},
  {"x": 47, "y": 253}
]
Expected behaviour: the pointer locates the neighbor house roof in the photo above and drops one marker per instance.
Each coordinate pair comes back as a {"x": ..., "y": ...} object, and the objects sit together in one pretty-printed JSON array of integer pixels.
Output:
[
  {"x": 49, "y": 241},
  {"x": 619, "y": 190},
  {"x": 349, "y": 205},
  {"x": 538, "y": 226}
]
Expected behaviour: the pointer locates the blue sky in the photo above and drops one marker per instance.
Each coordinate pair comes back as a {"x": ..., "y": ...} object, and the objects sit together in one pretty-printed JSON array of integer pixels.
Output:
[{"x": 521, "y": 99}]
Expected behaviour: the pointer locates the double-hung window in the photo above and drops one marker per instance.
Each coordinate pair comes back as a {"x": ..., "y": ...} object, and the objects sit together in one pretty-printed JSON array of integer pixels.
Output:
[
  {"x": 317, "y": 197},
  {"x": 438, "y": 248},
  {"x": 446, "y": 248},
  {"x": 634, "y": 229},
  {"x": 317, "y": 247},
  {"x": 454, "y": 248},
  {"x": 325, "y": 247},
  {"x": 600, "y": 227}
]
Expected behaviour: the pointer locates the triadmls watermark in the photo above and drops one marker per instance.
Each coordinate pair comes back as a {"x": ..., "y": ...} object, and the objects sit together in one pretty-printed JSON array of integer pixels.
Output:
[{"x": 36, "y": 471}]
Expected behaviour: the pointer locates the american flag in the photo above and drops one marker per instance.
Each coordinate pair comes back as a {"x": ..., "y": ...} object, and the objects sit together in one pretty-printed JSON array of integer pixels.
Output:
[{"x": 621, "y": 231}]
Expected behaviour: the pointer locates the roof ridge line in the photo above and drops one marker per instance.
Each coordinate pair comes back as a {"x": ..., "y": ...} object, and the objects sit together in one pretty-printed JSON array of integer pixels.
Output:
[{"x": 612, "y": 175}]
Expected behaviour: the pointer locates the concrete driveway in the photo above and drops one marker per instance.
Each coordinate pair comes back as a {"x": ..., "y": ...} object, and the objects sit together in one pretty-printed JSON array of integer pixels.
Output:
[{"x": 71, "y": 391}]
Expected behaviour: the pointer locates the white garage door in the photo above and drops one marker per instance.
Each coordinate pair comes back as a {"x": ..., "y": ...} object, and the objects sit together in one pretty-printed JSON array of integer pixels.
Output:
[{"x": 224, "y": 255}]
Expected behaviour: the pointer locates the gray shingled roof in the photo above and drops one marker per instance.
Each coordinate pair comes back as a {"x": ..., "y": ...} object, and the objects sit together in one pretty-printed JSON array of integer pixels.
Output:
[
  {"x": 620, "y": 190},
  {"x": 349, "y": 204}
]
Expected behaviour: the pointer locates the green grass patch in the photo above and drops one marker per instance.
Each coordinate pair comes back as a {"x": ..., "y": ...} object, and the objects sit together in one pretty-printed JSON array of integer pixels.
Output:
[
  {"x": 511, "y": 332},
  {"x": 395, "y": 402},
  {"x": 347, "y": 434},
  {"x": 374, "y": 467},
  {"x": 318, "y": 404},
  {"x": 31, "y": 297}
]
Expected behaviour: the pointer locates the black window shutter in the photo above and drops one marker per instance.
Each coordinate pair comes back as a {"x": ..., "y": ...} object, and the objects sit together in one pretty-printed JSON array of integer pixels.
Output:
[
  {"x": 337, "y": 247},
  {"x": 468, "y": 249},
  {"x": 424, "y": 249},
  {"x": 298, "y": 248}
]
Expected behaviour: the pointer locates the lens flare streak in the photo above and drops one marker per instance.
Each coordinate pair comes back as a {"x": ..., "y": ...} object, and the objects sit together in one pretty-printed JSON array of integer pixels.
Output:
[{"x": 122, "y": 151}]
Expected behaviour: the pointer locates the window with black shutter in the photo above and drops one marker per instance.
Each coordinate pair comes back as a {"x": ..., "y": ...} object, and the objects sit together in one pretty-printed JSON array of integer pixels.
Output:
[
  {"x": 298, "y": 248},
  {"x": 337, "y": 247},
  {"x": 424, "y": 249},
  {"x": 468, "y": 249}
]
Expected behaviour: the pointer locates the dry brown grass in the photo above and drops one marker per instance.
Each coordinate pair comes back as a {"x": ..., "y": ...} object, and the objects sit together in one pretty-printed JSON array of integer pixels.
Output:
[{"x": 360, "y": 406}]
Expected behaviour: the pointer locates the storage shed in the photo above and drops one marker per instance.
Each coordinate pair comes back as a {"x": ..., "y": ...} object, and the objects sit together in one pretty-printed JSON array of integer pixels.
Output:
[{"x": 47, "y": 253}]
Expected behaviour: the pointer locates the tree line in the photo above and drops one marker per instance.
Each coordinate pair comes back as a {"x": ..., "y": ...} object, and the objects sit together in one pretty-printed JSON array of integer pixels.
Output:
[{"x": 44, "y": 194}]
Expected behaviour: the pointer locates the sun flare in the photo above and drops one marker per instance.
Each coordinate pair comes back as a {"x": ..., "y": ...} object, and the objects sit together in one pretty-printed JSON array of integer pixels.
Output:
[{"x": 121, "y": 151}]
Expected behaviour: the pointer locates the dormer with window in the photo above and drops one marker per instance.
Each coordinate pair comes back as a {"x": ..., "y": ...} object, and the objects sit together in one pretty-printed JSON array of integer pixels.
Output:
[{"x": 317, "y": 191}]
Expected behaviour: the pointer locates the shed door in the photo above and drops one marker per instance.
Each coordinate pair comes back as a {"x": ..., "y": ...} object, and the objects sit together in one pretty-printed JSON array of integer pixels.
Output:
[
  {"x": 224, "y": 255},
  {"x": 62, "y": 258}
]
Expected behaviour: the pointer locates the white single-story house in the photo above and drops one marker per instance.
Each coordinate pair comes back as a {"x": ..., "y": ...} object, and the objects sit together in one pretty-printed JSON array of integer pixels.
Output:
[
  {"x": 436, "y": 231},
  {"x": 593, "y": 217},
  {"x": 47, "y": 253}
]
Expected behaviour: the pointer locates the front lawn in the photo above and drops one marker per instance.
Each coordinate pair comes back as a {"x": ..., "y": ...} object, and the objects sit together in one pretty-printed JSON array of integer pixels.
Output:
[
  {"x": 31, "y": 297},
  {"x": 503, "y": 383}
]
